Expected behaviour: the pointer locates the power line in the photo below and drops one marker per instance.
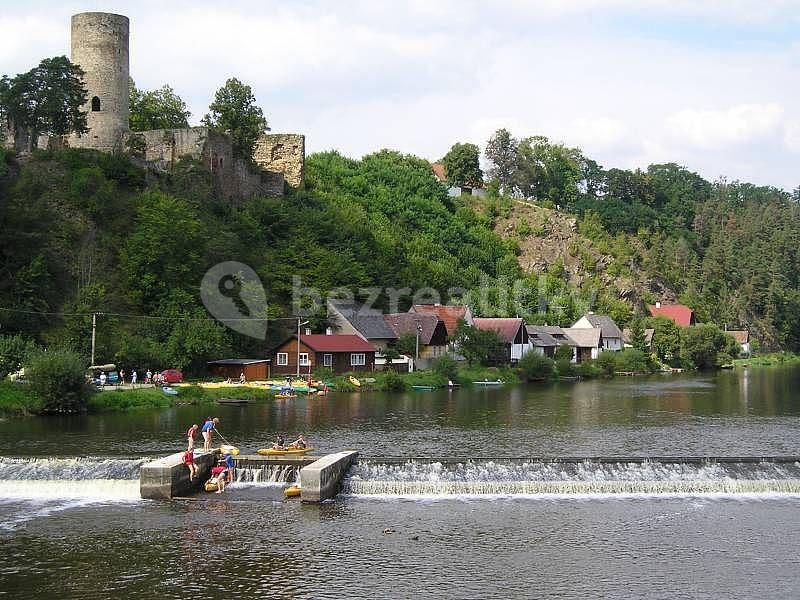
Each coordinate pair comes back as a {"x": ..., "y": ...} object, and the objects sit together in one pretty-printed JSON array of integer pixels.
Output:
[{"x": 144, "y": 317}]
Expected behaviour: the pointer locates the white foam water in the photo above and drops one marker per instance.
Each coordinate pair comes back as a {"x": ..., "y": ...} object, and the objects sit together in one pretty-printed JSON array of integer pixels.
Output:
[{"x": 493, "y": 479}]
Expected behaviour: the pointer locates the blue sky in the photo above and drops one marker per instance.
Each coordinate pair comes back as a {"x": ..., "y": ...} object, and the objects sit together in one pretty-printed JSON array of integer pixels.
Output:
[{"x": 711, "y": 85}]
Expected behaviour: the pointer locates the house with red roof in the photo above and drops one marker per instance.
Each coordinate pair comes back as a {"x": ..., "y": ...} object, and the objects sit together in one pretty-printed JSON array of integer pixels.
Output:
[
  {"x": 511, "y": 332},
  {"x": 341, "y": 353},
  {"x": 428, "y": 329},
  {"x": 680, "y": 314},
  {"x": 449, "y": 314}
]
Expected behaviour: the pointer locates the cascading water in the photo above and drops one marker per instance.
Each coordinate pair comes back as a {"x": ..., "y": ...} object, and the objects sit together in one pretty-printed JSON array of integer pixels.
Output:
[
  {"x": 266, "y": 474},
  {"x": 85, "y": 478},
  {"x": 433, "y": 479}
]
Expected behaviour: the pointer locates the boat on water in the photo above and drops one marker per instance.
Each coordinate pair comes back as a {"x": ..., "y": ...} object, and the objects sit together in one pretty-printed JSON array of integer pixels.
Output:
[
  {"x": 226, "y": 449},
  {"x": 293, "y": 491},
  {"x": 498, "y": 382},
  {"x": 423, "y": 388},
  {"x": 169, "y": 391},
  {"x": 286, "y": 452},
  {"x": 235, "y": 401},
  {"x": 285, "y": 396}
]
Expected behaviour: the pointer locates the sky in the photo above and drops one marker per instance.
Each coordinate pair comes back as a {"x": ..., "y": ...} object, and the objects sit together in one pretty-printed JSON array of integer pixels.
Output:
[{"x": 711, "y": 85}]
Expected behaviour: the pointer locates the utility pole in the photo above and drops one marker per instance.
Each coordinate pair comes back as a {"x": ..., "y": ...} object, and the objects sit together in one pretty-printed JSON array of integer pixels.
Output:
[{"x": 94, "y": 333}]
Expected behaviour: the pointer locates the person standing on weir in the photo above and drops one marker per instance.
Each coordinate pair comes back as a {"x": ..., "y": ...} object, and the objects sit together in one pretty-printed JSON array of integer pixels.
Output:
[{"x": 207, "y": 430}]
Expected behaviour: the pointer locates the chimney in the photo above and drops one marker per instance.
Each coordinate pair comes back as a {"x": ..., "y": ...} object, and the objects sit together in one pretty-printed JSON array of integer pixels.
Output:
[
  {"x": 308, "y": 331},
  {"x": 658, "y": 304},
  {"x": 328, "y": 331}
]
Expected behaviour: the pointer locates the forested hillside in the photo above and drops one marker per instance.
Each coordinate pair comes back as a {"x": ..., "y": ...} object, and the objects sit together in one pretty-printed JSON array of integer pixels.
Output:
[{"x": 81, "y": 231}]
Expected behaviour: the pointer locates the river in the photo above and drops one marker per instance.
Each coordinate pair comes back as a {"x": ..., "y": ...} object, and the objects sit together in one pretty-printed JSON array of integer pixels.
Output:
[{"x": 500, "y": 525}]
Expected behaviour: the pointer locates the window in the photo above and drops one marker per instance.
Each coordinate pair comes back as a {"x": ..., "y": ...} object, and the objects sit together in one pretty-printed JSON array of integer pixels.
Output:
[
  {"x": 304, "y": 362},
  {"x": 95, "y": 104},
  {"x": 358, "y": 359},
  {"x": 283, "y": 359},
  {"x": 327, "y": 360}
]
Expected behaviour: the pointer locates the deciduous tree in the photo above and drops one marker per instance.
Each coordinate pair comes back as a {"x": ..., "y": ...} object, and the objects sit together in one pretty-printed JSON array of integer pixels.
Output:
[{"x": 234, "y": 110}]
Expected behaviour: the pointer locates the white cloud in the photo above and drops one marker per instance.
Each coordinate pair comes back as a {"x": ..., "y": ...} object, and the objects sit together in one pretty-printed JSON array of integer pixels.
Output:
[
  {"x": 791, "y": 135},
  {"x": 735, "y": 125}
]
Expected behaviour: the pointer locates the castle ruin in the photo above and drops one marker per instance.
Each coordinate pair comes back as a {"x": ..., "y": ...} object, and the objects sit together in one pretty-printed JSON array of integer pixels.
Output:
[{"x": 100, "y": 46}]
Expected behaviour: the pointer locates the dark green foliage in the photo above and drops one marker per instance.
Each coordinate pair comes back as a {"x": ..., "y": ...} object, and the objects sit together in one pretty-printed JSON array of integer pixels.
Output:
[
  {"x": 234, "y": 110},
  {"x": 632, "y": 360},
  {"x": 706, "y": 347},
  {"x": 462, "y": 165},
  {"x": 501, "y": 151},
  {"x": 14, "y": 352},
  {"x": 666, "y": 338},
  {"x": 479, "y": 346},
  {"x": 58, "y": 378},
  {"x": 638, "y": 340},
  {"x": 445, "y": 366},
  {"x": 565, "y": 368},
  {"x": 47, "y": 99},
  {"x": 407, "y": 344},
  {"x": 157, "y": 109},
  {"x": 393, "y": 382},
  {"x": 564, "y": 353},
  {"x": 536, "y": 367},
  {"x": 607, "y": 363}
]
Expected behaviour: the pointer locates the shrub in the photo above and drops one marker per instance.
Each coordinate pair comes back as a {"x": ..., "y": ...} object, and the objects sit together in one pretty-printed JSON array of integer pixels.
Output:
[
  {"x": 535, "y": 367},
  {"x": 587, "y": 370},
  {"x": 607, "y": 363},
  {"x": 632, "y": 360},
  {"x": 563, "y": 353},
  {"x": 393, "y": 382},
  {"x": 58, "y": 378},
  {"x": 14, "y": 351},
  {"x": 445, "y": 366},
  {"x": 565, "y": 368}
]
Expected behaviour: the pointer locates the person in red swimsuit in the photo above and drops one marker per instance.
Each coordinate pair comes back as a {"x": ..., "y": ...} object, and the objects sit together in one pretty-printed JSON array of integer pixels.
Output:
[
  {"x": 220, "y": 473},
  {"x": 190, "y": 434},
  {"x": 188, "y": 460}
]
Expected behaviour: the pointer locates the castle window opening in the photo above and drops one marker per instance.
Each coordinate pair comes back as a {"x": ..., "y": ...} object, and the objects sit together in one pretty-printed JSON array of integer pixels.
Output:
[{"x": 95, "y": 104}]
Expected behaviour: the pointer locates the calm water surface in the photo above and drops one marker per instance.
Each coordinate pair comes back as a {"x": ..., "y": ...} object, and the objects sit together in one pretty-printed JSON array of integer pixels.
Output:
[{"x": 74, "y": 527}]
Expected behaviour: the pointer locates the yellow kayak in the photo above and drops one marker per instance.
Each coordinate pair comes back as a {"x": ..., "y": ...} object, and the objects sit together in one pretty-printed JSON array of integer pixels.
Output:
[
  {"x": 355, "y": 381},
  {"x": 292, "y": 491},
  {"x": 233, "y": 450},
  {"x": 273, "y": 452},
  {"x": 212, "y": 485}
]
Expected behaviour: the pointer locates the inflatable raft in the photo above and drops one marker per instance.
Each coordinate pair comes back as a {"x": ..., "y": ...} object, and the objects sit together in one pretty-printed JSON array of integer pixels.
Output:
[
  {"x": 289, "y": 452},
  {"x": 292, "y": 491},
  {"x": 232, "y": 450}
]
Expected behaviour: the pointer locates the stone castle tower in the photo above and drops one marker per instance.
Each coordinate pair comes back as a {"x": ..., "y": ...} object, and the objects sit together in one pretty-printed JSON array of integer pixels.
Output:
[{"x": 100, "y": 47}]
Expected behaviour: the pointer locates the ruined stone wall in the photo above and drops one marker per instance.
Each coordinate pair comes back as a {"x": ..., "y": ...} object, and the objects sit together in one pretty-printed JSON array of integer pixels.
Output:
[
  {"x": 233, "y": 178},
  {"x": 100, "y": 48},
  {"x": 283, "y": 153}
]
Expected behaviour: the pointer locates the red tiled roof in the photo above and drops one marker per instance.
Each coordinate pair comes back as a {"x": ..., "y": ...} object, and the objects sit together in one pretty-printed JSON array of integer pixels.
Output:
[
  {"x": 438, "y": 170},
  {"x": 404, "y": 323},
  {"x": 506, "y": 328},
  {"x": 680, "y": 314},
  {"x": 336, "y": 343},
  {"x": 448, "y": 314},
  {"x": 741, "y": 337}
]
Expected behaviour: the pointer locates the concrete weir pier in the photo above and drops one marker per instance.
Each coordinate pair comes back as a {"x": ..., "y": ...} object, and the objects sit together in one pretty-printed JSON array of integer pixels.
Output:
[
  {"x": 167, "y": 477},
  {"x": 321, "y": 479}
]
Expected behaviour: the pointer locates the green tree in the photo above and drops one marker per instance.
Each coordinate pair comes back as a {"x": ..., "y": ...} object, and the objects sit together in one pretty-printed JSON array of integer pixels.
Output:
[
  {"x": 407, "y": 344},
  {"x": 445, "y": 366},
  {"x": 706, "y": 346},
  {"x": 536, "y": 367},
  {"x": 156, "y": 109},
  {"x": 45, "y": 100},
  {"x": 501, "y": 152},
  {"x": 462, "y": 165},
  {"x": 58, "y": 378},
  {"x": 638, "y": 339},
  {"x": 548, "y": 171},
  {"x": 481, "y": 346},
  {"x": 607, "y": 363},
  {"x": 666, "y": 338},
  {"x": 234, "y": 110},
  {"x": 563, "y": 352},
  {"x": 14, "y": 353}
]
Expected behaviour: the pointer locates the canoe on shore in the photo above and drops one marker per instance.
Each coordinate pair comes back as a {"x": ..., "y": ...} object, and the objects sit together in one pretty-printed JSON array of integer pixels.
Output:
[
  {"x": 288, "y": 452},
  {"x": 423, "y": 388}
]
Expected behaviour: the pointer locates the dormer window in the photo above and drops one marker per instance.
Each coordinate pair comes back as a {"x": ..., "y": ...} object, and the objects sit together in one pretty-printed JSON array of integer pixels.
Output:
[{"x": 95, "y": 104}]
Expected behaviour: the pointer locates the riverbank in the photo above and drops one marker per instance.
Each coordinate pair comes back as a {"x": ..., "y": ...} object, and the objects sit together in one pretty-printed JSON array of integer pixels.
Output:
[{"x": 773, "y": 359}]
